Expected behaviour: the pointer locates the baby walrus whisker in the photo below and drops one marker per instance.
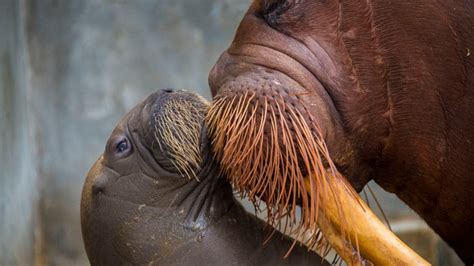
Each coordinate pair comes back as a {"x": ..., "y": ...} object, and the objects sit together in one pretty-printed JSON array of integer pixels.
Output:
[{"x": 156, "y": 196}]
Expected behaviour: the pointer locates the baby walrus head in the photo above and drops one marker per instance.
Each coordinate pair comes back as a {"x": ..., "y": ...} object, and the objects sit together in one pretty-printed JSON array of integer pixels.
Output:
[
  {"x": 155, "y": 196},
  {"x": 140, "y": 186}
]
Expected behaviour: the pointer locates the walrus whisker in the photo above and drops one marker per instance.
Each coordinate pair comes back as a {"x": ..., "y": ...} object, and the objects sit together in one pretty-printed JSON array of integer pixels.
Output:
[
  {"x": 240, "y": 110},
  {"x": 256, "y": 137},
  {"x": 274, "y": 164},
  {"x": 251, "y": 122},
  {"x": 288, "y": 143},
  {"x": 290, "y": 249},
  {"x": 379, "y": 207},
  {"x": 326, "y": 249},
  {"x": 178, "y": 131},
  {"x": 269, "y": 236}
]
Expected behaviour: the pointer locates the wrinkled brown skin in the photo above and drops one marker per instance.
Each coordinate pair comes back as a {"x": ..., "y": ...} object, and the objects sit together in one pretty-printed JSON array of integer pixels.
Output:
[
  {"x": 137, "y": 209},
  {"x": 392, "y": 86}
]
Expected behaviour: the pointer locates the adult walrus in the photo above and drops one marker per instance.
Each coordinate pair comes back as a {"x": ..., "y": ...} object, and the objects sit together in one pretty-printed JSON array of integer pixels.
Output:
[
  {"x": 156, "y": 196},
  {"x": 372, "y": 90}
]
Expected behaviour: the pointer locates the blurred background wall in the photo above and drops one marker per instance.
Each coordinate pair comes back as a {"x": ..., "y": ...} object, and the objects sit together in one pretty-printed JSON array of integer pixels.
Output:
[{"x": 68, "y": 71}]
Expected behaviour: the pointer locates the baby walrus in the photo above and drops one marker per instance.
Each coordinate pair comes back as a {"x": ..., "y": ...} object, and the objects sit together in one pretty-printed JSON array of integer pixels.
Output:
[{"x": 156, "y": 196}]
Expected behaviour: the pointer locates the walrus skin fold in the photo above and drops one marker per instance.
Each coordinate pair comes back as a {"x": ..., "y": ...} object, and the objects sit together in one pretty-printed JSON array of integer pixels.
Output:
[
  {"x": 156, "y": 197},
  {"x": 312, "y": 93}
]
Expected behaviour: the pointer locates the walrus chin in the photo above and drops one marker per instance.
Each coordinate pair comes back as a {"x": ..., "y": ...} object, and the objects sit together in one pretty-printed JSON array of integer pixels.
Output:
[{"x": 274, "y": 149}]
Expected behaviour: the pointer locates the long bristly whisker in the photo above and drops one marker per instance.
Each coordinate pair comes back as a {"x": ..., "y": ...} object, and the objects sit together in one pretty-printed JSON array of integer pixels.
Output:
[{"x": 267, "y": 149}]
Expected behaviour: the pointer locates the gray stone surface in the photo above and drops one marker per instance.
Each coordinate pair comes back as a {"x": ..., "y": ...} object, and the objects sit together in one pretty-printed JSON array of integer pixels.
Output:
[
  {"x": 68, "y": 71},
  {"x": 79, "y": 67},
  {"x": 18, "y": 184}
]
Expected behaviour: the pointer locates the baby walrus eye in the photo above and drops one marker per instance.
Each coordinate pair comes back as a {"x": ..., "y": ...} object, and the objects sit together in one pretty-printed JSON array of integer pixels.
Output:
[
  {"x": 122, "y": 146},
  {"x": 119, "y": 146}
]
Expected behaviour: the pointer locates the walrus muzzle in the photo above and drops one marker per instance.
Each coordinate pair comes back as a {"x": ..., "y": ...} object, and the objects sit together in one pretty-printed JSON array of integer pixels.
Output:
[
  {"x": 274, "y": 149},
  {"x": 271, "y": 121}
]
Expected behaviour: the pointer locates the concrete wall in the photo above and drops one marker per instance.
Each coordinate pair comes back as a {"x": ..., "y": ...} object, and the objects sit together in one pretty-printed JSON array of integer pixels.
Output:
[
  {"x": 68, "y": 71},
  {"x": 18, "y": 182}
]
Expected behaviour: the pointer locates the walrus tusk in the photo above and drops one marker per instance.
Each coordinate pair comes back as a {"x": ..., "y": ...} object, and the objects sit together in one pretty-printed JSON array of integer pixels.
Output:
[{"x": 375, "y": 242}]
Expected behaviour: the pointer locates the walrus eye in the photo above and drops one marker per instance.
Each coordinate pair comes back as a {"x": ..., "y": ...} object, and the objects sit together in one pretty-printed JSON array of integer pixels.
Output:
[
  {"x": 122, "y": 146},
  {"x": 274, "y": 9}
]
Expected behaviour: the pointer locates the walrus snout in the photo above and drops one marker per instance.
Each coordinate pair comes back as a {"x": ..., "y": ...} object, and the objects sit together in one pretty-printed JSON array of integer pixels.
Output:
[{"x": 170, "y": 127}]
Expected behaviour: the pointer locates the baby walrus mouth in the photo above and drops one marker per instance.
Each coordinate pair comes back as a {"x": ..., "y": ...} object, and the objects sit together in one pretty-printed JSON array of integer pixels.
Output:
[{"x": 156, "y": 196}]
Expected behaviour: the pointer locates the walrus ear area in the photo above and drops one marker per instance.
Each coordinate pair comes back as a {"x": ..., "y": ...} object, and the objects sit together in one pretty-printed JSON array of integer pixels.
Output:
[{"x": 278, "y": 12}]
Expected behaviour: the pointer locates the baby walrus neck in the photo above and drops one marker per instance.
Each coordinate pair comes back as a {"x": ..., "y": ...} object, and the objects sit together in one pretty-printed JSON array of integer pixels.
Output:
[{"x": 155, "y": 196}]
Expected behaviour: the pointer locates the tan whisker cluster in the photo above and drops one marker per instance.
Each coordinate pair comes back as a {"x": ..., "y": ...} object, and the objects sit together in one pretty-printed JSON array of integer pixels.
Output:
[
  {"x": 269, "y": 150},
  {"x": 179, "y": 127}
]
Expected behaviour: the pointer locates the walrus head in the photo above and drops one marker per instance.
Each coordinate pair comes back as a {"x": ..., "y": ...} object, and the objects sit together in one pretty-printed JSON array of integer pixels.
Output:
[
  {"x": 155, "y": 186},
  {"x": 289, "y": 119}
]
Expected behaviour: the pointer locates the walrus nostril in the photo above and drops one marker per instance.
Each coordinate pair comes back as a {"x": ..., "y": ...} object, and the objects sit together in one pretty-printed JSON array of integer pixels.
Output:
[{"x": 168, "y": 90}]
